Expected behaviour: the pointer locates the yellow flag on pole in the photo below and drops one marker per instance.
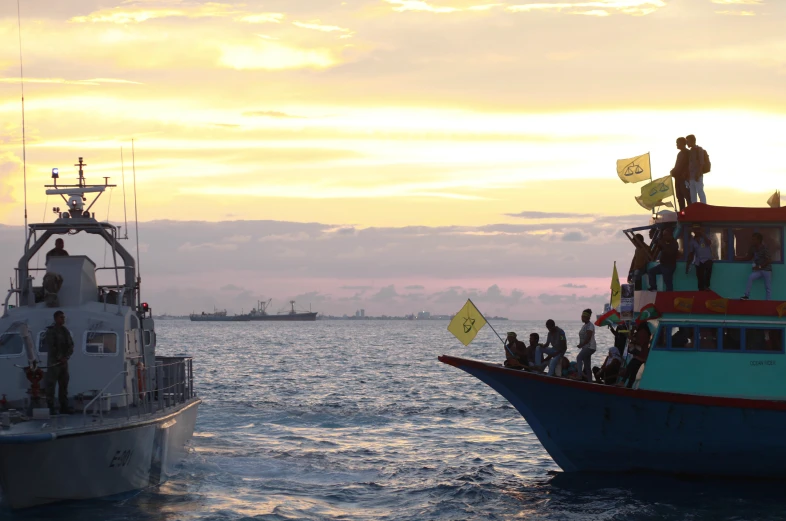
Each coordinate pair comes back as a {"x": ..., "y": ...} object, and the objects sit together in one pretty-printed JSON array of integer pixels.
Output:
[
  {"x": 467, "y": 322},
  {"x": 654, "y": 192},
  {"x": 635, "y": 169},
  {"x": 616, "y": 293}
]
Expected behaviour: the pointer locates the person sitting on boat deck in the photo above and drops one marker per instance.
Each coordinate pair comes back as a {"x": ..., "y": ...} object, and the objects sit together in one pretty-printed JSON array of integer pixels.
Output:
[
  {"x": 59, "y": 348},
  {"x": 587, "y": 346},
  {"x": 762, "y": 265},
  {"x": 610, "y": 370},
  {"x": 569, "y": 369},
  {"x": 640, "y": 349},
  {"x": 58, "y": 250},
  {"x": 555, "y": 347},
  {"x": 681, "y": 174},
  {"x": 515, "y": 352},
  {"x": 638, "y": 266},
  {"x": 700, "y": 254},
  {"x": 532, "y": 350},
  {"x": 669, "y": 252}
]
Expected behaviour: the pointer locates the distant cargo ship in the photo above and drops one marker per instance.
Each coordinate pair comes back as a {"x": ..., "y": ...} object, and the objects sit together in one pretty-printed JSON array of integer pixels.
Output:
[
  {"x": 260, "y": 313},
  {"x": 217, "y": 316}
]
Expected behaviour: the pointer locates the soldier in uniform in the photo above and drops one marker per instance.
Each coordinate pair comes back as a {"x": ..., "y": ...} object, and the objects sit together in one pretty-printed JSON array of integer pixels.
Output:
[{"x": 59, "y": 347}]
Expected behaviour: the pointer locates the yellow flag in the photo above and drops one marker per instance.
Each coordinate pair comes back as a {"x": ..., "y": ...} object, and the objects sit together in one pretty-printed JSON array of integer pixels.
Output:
[
  {"x": 616, "y": 294},
  {"x": 775, "y": 200},
  {"x": 656, "y": 191},
  {"x": 467, "y": 322},
  {"x": 683, "y": 304},
  {"x": 719, "y": 305},
  {"x": 635, "y": 169}
]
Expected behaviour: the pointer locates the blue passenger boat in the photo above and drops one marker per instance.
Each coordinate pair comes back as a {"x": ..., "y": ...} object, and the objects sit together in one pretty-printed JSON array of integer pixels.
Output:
[{"x": 711, "y": 399}]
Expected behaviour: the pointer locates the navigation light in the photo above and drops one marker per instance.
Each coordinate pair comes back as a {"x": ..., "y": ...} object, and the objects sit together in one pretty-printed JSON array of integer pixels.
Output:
[{"x": 55, "y": 173}]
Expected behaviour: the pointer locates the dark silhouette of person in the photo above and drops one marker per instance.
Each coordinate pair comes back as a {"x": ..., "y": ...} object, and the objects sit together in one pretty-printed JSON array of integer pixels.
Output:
[
  {"x": 681, "y": 174},
  {"x": 58, "y": 250}
]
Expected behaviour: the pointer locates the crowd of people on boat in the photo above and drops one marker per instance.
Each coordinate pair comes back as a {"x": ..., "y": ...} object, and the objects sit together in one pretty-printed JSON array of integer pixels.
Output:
[
  {"x": 688, "y": 172},
  {"x": 551, "y": 357},
  {"x": 700, "y": 255}
]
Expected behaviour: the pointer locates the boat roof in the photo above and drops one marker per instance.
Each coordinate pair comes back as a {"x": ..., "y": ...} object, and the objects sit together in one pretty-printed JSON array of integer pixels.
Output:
[{"x": 706, "y": 213}]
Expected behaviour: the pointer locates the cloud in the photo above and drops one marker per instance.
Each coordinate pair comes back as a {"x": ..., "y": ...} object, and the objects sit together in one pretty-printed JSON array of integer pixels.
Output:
[
  {"x": 385, "y": 294},
  {"x": 231, "y": 287},
  {"x": 316, "y": 26},
  {"x": 138, "y": 12},
  {"x": 62, "y": 81},
  {"x": 552, "y": 300},
  {"x": 738, "y": 2},
  {"x": 421, "y": 5},
  {"x": 594, "y": 8},
  {"x": 270, "y": 114},
  {"x": 549, "y": 215},
  {"x": 415, "y": 287},
  {"x": 358, "y": 288},
  {"x": 574, "y": 236},
  {"x": 267, "y": 55},
  {"x": 736, "y": 13},
  {"x": 572, "y": 285}
]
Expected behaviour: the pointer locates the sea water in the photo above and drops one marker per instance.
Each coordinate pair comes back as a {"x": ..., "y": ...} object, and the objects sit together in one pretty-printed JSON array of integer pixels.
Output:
[{"x": 357, "y": 420}]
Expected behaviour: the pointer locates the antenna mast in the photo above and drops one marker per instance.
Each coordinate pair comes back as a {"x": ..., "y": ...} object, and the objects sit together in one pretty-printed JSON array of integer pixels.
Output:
[
  {"x": 125, "y": 211},
  {"x": 136, "y": 218},
  {"x": 22, "y": 87}
]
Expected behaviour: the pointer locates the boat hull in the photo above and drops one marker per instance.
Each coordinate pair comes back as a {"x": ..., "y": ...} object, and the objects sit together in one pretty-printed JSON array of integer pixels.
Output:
[
  {"x": 94, "y": 464},
  {"x": 598, "y": 428}
]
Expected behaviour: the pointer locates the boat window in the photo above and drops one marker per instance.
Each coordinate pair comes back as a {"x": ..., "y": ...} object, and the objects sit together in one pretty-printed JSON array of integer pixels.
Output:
[
  {"x": 731, "y": 339},
  {"x": 708, "y": 338},
  {"x": 683, "y": 337},
  {"x": 772, "y": 239},
  {"x": 719, "y": 240},
  {"x": 763, "y": 339},
  {"x": 742, "y": 241},
  {"x": 100, "y": 343},
  {"x": 148, "y": 337},
  {"x": 42, "y": 347},
  {"x": 11, "y": 344}
]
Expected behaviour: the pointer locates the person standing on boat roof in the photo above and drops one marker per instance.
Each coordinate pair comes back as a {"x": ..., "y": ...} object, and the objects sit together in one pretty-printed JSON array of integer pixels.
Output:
[
  {"x": 681, "y": 174},
  {"x": 58, "y": 250},
  {"x": 638, "y": 266},
  {"x": 59, "y": 348},
  {"x": 762, "y": 265},
  {"x": 555, "y": 347},
  {"x": 586, "y": 346},
  {"x": 669, "y": 251},
  {"x": 696, "y": 169},
  {"x": 700, "y": 254}
]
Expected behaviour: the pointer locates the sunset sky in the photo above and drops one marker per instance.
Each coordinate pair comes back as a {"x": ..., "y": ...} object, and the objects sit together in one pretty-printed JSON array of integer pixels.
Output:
[{"x": 473, "y": 134}]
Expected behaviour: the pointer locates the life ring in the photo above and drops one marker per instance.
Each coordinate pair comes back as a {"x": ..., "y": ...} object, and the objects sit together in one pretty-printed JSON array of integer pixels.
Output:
[{"x": 140, "y": 369}]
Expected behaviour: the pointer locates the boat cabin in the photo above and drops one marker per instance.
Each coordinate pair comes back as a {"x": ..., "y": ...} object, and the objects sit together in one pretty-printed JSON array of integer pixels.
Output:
[{"x": 711, "y": 342}]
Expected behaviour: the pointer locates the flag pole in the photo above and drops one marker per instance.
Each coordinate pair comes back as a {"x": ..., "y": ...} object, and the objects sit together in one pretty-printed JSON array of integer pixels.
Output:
[{"x": 492, "y": 328}]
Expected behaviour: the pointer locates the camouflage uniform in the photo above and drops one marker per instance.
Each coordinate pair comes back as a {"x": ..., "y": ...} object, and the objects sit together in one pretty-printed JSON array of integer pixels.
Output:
[{"x": 59, "y": 345}]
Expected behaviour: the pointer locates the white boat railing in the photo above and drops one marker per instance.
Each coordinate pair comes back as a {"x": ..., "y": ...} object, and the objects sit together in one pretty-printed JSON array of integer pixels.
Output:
[
  {"x": 173, "y": 384},
  {"x": 7, "y": 298}
]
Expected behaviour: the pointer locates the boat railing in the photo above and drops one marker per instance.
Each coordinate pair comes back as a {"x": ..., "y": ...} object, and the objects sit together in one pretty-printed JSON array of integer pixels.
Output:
[
  {"x": 173, "y": 384},
  {"x": 7, "y": 298},
  {"x": 102, "y": 394}
]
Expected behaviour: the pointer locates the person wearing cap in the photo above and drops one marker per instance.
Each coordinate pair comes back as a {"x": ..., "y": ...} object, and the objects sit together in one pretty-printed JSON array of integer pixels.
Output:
[
  {"x": 586, "y": 346},
  {"x": 555, "y": 347},
  {"x": 516, "y": 352},
  {"x": 700, "y": 255}
]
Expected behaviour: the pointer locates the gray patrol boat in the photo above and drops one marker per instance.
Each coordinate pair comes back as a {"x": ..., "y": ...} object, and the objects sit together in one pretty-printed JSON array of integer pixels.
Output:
[{"x": 134, "y": 411}]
